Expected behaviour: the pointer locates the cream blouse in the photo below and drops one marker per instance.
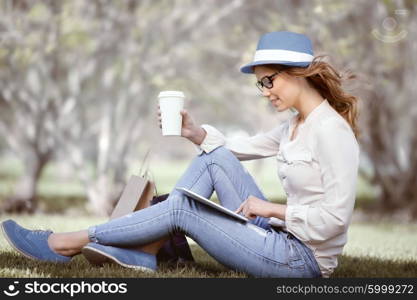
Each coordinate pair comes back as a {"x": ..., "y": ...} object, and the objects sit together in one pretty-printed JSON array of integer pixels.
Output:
[{"x": 318, "y": 171}]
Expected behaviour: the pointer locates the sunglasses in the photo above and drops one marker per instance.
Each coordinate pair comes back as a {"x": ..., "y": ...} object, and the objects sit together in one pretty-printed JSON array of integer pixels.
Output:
[{"x": 267, "y": 81}]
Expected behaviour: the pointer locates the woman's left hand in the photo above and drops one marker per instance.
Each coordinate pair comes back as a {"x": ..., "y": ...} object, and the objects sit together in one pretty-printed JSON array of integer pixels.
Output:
[{"x": 253, "y": 207}]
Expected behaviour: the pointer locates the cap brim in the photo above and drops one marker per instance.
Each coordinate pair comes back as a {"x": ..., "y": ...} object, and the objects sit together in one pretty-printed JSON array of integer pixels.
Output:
[{"x": 248, "y": 69}]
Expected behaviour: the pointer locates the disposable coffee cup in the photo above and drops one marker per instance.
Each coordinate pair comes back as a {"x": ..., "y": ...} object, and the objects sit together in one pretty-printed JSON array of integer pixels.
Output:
[{"x": 170, "y": 104}]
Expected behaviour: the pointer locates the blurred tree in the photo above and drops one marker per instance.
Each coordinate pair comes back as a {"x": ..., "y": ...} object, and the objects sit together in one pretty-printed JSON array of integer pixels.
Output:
[
  {"x": 390, "y": 114},
  {"x": 104, "y": 62},
  {"x": 30, "y": 99},
  {"x": 139, "y": 46},
  {"x": 376, "y": 39}
]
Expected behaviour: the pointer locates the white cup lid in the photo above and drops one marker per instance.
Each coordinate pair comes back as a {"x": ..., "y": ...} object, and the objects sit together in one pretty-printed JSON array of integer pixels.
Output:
[{"x": 171, "y": 94}]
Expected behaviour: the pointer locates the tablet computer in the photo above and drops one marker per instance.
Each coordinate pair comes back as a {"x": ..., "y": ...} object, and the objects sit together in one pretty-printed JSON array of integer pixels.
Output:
[{"x": 212, "y": 204}]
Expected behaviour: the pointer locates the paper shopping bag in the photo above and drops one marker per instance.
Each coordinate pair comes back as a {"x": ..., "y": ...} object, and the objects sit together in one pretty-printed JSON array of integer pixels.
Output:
[{"x": 136, "y": 195}]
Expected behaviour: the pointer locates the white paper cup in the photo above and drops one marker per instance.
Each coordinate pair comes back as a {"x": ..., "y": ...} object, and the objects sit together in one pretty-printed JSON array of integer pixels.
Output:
[{"x": 171, "y": 103}]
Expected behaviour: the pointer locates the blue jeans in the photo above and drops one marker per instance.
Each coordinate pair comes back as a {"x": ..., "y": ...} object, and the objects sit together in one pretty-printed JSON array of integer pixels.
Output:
[{"x": 255, "y": 248}]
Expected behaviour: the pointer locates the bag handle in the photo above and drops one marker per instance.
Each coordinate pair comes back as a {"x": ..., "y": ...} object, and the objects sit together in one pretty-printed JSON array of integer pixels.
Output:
[
  {"x": 144, "y": 172},
  {"x": 145, "y": 162}
]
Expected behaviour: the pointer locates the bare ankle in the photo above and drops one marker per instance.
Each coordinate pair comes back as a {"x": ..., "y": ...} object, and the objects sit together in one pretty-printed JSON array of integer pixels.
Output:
[
  {"x": 154, "y": 247},
  {"x": 54, "y": 243},
  {"x": 59, "y": 243}
]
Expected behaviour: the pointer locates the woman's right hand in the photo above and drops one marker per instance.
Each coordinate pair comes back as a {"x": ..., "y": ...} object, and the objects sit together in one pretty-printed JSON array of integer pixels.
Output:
[{"x": 190, "y": 130}]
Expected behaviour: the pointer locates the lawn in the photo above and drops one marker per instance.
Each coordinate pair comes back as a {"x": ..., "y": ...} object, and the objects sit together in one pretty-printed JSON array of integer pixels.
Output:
[{"x": 373, "y": 250}]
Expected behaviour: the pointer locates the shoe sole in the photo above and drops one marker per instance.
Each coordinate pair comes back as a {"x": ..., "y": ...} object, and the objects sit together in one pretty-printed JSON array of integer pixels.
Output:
[{"x": 97, "y": 257}]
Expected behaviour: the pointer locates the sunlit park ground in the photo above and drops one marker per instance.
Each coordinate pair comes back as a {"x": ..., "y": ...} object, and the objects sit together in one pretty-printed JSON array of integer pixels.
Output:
[{"x": 377, "y": 248}]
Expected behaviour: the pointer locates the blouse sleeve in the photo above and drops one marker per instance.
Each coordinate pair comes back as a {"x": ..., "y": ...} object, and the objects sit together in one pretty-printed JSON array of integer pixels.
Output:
[
  {"x": 244, "y": 148},
  {"x": 337, "y": 152}
]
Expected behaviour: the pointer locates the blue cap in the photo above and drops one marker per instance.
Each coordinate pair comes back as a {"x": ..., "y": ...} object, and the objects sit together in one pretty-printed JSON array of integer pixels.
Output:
[{"x": 282, "y": 48}]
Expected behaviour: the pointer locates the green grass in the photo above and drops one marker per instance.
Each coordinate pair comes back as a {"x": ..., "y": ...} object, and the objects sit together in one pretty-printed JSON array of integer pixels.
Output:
[
  {"x": 373, "y": 250},
  {"x": 379, "y": 250}
]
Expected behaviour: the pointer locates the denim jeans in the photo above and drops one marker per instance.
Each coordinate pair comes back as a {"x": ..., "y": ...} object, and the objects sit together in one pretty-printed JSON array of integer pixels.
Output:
[{"x": 255, "y": 247}]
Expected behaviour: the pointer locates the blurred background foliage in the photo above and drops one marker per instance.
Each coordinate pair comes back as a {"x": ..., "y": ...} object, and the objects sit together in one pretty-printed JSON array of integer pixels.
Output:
[{"x": 79, "y": 83}]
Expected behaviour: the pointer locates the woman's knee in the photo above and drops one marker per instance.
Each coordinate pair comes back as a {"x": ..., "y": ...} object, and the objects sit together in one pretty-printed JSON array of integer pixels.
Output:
[
  {"x": 218, "y": 155},
  {"x": 180, "y": 209},
  {"x": 178, "y": 201}
]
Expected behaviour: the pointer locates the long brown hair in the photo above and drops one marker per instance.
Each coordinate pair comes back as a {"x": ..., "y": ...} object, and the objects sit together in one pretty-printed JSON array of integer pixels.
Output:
[{"x": 328, "y": 82}]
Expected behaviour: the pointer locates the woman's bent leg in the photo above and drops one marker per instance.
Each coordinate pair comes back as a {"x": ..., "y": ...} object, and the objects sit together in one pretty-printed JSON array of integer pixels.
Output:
[{"x": 221, "y": 171}]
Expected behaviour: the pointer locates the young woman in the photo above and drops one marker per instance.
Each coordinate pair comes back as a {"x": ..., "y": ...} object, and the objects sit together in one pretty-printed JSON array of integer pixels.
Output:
[{"x": 317, "y": 155}]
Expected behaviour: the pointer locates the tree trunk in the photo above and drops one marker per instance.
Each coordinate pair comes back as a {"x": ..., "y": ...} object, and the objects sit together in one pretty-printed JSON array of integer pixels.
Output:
[
  {"x": 24, "y": 198},
  {"x": 103, "y": 195}
]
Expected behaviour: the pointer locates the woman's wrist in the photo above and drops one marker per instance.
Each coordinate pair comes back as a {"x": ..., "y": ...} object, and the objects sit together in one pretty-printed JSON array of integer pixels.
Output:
[
  {"x": 278, "y": 211},
  {"x": 198, "y": 136}
]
